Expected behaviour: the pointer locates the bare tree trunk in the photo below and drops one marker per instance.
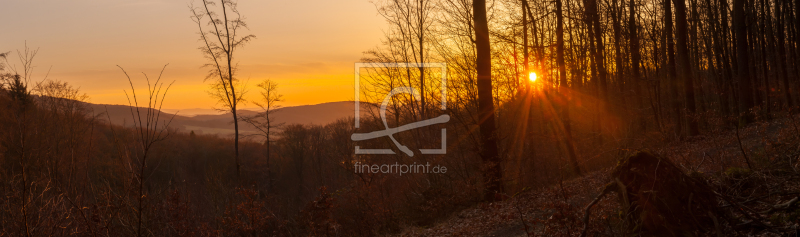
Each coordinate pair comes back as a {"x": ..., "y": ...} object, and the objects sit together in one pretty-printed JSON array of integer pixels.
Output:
[
  {"x": 149, "y": 132},
  {"x": 720, "y": 80},
  {"x": 616, "y": 15},
  {"x": 491, "y": 161},
  {"x": 525, "y": 45},
  {"x": 684, "y": 66},
  {"x": 764, "y": 56},
  {"x": 219, "y": 47},
  {"x": 794, "y": 49},
  {"x": 635, "y": 59},
  {"x": 727, "y": 88},
  {"x": 421, "y": 41},
  {"x": 140, "y": 197},
  {"x": 770, "y": 44},
  {"x": 599, "y": 53},
  {"x": 593, "y": 66},
  {"x": 709, "y": 54},
  {"x": 745, "y": 89},
  {"x": 671, "y": 78},
  {"x": 781, "y": 54},
  {"x": 233, "y": 91},
  {"x": 270, "y": 182},
  {"x": 755, "y": 44},
  {"x": 236, "y": 136},
  {"x": 797, "y": 38},
  {"x": 562, "y": 74}
]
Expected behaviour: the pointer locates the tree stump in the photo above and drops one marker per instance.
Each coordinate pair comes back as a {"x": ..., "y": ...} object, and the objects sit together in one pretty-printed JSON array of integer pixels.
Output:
[{"x": 659, "y": 199}]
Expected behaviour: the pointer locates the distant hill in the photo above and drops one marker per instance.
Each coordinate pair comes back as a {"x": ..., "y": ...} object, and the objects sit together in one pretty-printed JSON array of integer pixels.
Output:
[{"x": 222, "y": 124}]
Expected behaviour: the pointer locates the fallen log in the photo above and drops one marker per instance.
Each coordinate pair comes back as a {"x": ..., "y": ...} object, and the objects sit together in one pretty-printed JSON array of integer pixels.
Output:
[{"x": 659, "y": 199}]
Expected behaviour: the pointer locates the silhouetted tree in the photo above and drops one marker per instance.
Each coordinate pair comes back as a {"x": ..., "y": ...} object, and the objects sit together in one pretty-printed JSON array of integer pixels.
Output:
[
  {"x": 220, "y": 45},
  {"x": 411, "y": 22},
  {"x": 264, "y": 120},
  {"x": 672, "y": 80},
  {"x": 150, "y": 129},
  {"x": 684, "y": 66},
  {"x": 17, "y": 81},
  {"x": 491, "y": 160},
  {"x": 635, "y": 60},
  {"x": 599, "y": 55},
  {"x": 742, "y": 46},
  {"x": 616, "y": 17},
  {"x": 564, "y": 90}
]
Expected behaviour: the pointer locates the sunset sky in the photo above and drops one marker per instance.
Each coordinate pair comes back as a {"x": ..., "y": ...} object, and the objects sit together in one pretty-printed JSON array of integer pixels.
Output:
[{"x": 308, "y": 46}]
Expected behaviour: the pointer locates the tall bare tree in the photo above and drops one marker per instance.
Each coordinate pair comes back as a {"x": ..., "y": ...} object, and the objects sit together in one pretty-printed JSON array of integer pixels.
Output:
[
  {"x": 149, "y": 129},
  {"x": 635, "y": 60},
  {"x": 491, "y": 160},
  {"x": 525, "y": 48},
  {"x": 616, "y": 17},
  {"x": 563, "y": 89},
  {"x": 797, "y": 32},
  {"x": 670, "y": 67},
  {"x": 720, "y": 48},
  {"x": 411, "y": 22},
  {"x": 685, "y": 70},
  {"x": 264, "y": 120},
  {"x": 781, "y": 50},
  {"x": 221, "y": 38},
  {"x": 728, "y": 63},
  {"x": 745, "y": 88},
  {"x": 599, "y": 55}
]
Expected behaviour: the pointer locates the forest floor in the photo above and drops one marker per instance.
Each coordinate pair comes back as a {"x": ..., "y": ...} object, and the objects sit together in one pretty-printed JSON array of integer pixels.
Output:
[{"x": 763, "y": 193}]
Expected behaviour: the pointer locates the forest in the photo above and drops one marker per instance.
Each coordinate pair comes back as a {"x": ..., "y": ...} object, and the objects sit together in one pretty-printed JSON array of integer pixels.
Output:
[{"x": 565, "y": 118}]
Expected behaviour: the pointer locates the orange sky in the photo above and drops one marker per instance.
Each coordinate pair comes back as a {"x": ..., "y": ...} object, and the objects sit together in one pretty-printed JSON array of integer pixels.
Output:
[{"x": 307, "y": 46}]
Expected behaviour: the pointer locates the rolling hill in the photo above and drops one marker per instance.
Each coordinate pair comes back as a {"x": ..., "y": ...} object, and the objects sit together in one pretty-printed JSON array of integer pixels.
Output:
[{"x": 222, "y": 124}]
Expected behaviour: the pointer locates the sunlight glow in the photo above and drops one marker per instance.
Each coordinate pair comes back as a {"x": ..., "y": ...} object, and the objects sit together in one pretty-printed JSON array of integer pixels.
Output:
[{"x": 532, "y": 76}]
